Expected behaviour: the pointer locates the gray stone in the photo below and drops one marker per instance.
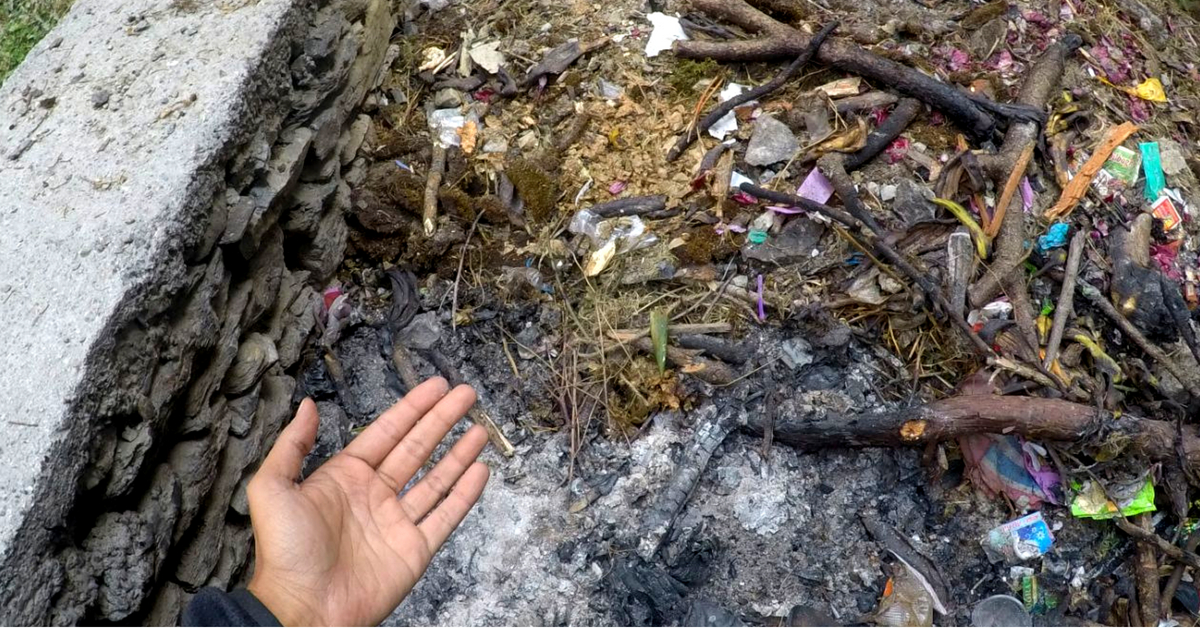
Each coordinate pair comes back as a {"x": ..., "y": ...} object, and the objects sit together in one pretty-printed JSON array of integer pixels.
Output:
[
  {"x": 352, "y": 139},
  {"x": 128, "y": 456},
  {"x": 272, "y": 188},
  {"x": 1171, "y": 155},
  {"x": 240, "y": 502},
  {"x": 887, "y": 192},
  {"x": 263, "y": 277},
  {"x": 914, "y": 202},
  {"x": 325, "y": 58},
  {"x": 988, "y": 39},
  {"x": 100, "y": 97},
  {"x": 241, "y": 410},
  {"x": 308, "y": 204},
  {"x": 321, "y": 170},
  {"x": 203, "y": 548},
  {"x": 771, "y": 142},
  {"x": 796, "y": 352},
  {"x": 323, "y": 255},
  {"x": 238, "y": 209},
  {"x": 255, "y": 355},
  {"x": 274, "y": 405},
  {"x": 422, "y": 333},
  {"x": 217, "y": 219},
  {"x": 794, "y": 243},
  {"x": 194, "y": 463},
  {"x": 251, "y": 159},
  {"x": 293, "y": 317},
  {"x": 168, "y": 605},
  {"x": 235, "y": 550},
  {"x": 363, "y": 75},
  {"x": 447, "y": 97}
]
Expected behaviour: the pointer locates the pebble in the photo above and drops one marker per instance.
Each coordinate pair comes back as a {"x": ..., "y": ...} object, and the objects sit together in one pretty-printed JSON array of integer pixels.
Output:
[
  {"x": 100, "y": 98},
  {"x": 446, "y": 98},
  {"x": 771, "y": 142},
  {"x": 887, "y": 192}
]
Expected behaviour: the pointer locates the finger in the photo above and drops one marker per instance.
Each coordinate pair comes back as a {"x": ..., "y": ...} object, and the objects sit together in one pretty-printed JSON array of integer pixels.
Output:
[
  {"x": 420, "y": 499},
  {"x": 286, "y": 457},
  {"x": 373, "y": 445},
  {"x": 445, "y": 518},
  {"x": 414, "y": 449}
]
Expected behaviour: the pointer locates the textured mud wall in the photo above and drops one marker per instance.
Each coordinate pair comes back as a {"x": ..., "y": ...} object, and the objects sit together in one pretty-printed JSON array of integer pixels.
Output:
[{"x": 173, "y": 177}]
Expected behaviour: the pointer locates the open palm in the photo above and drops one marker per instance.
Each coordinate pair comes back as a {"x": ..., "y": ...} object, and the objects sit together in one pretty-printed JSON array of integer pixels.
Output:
[{"x": 344, "y": 547}]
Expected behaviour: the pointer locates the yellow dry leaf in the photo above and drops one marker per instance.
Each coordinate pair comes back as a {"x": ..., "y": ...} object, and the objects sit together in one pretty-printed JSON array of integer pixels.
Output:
[{"x": 468, "y": 134}]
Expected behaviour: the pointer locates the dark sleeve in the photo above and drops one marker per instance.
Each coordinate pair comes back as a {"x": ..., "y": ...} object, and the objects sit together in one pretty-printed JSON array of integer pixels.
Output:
[{"x": 213, "y": 607}]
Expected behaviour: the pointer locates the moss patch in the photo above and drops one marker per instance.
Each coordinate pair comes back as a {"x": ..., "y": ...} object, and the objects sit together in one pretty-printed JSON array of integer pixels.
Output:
[
  {"x": 23, "y": 23},
  {"x": 537, "y": 188}
]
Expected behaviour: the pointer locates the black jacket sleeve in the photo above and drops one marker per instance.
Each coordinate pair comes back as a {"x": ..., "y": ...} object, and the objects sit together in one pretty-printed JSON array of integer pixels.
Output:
[{"x": 213, "y": 607}]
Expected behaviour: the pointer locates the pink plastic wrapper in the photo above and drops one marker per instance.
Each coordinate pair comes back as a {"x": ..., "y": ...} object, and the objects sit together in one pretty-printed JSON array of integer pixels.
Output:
[
  {"x": 1026, "y": 194},
  {"x": 616, "y": 187},
  {"x": 816, "y": 187}
]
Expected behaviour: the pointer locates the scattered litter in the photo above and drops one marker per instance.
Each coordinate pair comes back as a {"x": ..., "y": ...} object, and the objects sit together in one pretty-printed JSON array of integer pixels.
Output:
[
  {"x": 842, "y": 87},
  {"x": 1096, "y": 501},
  {"x": 1027, "y": 196},
  {"x": 905, "y": 602},
  {"x": 609, "y": 91},
  {"x": 1123, "y": 165},
  {"x": 445, "y": 124},
  {"x": 616, "y": 187},
  {"x": 403, "y": 166},
  {"x": 728, "y": 122},
  {"x": 1056, "y": 237},
  {"x": 1000, "y": 464},
  {"x": 432, "y": 58},
  {"x": 887, "y": 193},
  {"x": 815, "y": 187},
  {"x": 488, "y": 56},
  {"x": 1018, "y": 540},
  {"x": 1079, "y": 183},
  {"x": 1153, "y": 167},
  {"x": 1000, "y": 610},
  {"x": 1164, "y": 210},
  {"x": 611, "y": 237},
  {"x": 736, "y": 179},
  {"x": 796, "y": 352},
  {"x": 667, "y": 30}
]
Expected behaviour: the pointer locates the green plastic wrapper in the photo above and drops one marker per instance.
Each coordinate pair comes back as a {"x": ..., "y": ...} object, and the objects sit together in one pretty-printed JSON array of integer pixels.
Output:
[
  {"x": 1152, "y": 164},
  {"x": 1092, "y": 503}
]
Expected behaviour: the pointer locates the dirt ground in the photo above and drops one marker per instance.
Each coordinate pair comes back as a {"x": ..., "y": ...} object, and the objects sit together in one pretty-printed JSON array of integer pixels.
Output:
[{"x": 772, "y": 534}]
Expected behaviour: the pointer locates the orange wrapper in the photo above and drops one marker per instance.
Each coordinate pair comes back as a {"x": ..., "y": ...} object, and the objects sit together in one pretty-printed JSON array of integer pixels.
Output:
[{"x": 1078, "y": 186}]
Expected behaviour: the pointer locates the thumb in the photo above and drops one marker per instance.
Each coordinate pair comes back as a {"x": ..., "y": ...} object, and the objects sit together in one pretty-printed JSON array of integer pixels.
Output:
[{"x": 286, "y": 457}]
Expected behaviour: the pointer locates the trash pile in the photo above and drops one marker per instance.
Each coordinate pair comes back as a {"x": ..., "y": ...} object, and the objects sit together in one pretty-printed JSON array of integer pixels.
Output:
[{"x": 648, "y": 211}]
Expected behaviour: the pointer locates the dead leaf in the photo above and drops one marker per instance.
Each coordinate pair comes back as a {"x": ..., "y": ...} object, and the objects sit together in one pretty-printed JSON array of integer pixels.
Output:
[{"x": 468, "y": 134}]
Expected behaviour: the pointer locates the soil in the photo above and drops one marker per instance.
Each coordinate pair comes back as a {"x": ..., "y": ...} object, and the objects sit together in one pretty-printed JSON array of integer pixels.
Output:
[{"x": 598, "y": 429}]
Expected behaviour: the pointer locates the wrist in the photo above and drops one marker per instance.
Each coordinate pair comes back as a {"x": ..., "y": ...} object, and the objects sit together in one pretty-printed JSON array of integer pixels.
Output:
[{"x": 290, "y": 607}]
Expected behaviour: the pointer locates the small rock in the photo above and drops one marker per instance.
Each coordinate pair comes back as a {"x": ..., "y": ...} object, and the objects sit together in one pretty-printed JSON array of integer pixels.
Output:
[
  {"x": 796, "y": 352},
  {"x": 609, "y": 91},
  {"x": 256, "y": 354},
  {"x": 1171, "y": 155},
  {"x": 496, "y": 145},
  {"x": 794, "y": 243},
  {"x": 446, "y": 98},
  {"x": 887, "y": 192},
  {"x": 423, "y": 332},
  {"x": 100, "y": 98},
  {"x": 771, "y": 142},
  {"x": 913, "y": 202},
  {"x": 988, "y": 38}
]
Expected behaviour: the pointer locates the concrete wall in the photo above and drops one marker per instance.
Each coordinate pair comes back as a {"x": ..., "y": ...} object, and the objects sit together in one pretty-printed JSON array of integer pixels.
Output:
[{"x": 173, "y": 175}]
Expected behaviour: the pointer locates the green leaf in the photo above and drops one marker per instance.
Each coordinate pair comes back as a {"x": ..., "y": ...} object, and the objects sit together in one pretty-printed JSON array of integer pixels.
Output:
[{"x": 658, "y": 335}]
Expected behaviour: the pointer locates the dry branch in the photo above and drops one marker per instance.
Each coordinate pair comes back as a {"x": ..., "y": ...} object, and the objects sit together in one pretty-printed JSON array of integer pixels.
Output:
[
  {"x": 780, "y": 79},
  {"x": 779, "y": 40},
  {"x": 1032, "y": 417},
  {"x": 886, "y": 133}
]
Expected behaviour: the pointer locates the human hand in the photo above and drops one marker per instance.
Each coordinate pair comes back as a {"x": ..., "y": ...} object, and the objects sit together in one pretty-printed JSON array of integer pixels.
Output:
[{"x": 343, "y": 547}]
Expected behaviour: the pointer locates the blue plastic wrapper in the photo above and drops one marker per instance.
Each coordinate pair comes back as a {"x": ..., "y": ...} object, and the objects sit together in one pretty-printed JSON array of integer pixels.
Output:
[
  {"x": 1152, "y": 165},
  {"x": 1054, "y": 238}
]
